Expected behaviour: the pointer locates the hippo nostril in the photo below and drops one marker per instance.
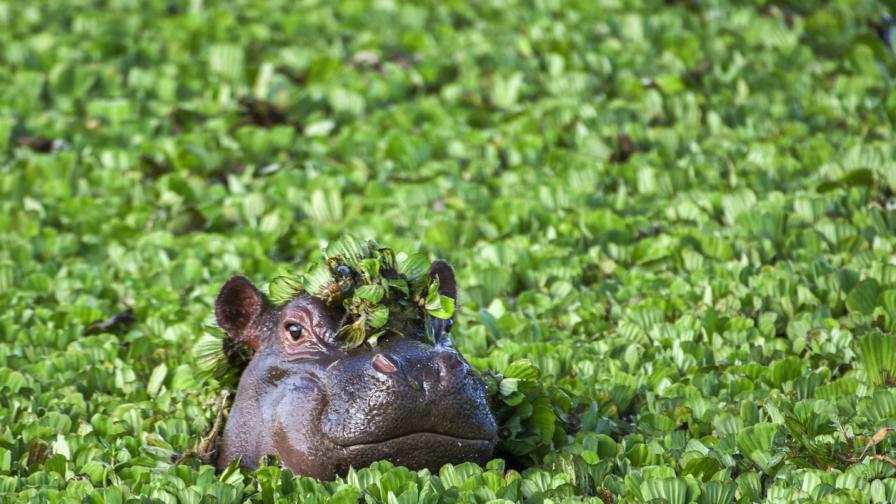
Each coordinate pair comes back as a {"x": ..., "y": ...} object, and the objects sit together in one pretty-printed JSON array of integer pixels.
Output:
[{"x": 383, "y": 364}]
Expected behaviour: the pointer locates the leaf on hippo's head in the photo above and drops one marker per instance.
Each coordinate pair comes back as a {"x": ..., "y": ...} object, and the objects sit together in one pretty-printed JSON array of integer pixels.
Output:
[
  {"x": 378, "y": 317},
  {"x": 353, "y": 334},
  {"x": 414, "y": 266},
  {"x": 284, "y": 288},
  {"x": 318, "y": 281},
  {"x": 349, "y": 251},
  {"x": 380, "y": 291},
  {"x": 370, "y": 293},
  {"x": 437, "y": 305}
]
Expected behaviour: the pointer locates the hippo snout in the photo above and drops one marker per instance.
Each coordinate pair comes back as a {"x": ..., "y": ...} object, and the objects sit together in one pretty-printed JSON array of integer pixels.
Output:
[
  {"x": 405, "y": 387},
  {"x": 443, "y": 368}
]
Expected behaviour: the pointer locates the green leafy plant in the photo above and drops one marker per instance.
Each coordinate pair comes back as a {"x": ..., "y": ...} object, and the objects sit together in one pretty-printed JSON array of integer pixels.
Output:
[
  {"x": 220, "y": 357},
  {"x": 380, "y": 291},
  {"x": 680, "y": 214},
  {"x": 531, "y": 415},
  {"x": 878, "y": 353}
]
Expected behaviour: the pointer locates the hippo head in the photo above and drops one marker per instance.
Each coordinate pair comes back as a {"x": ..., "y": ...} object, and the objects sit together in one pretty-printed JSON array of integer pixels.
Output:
[{"x": 411, "y": 400}]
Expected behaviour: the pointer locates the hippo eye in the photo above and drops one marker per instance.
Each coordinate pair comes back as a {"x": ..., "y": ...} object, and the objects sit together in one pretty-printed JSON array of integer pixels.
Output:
[{"x": 295, "y": 331}]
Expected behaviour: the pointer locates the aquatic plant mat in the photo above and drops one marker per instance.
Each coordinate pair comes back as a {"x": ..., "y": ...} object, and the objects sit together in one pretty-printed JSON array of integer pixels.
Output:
[{"x": 672, "y": 223}]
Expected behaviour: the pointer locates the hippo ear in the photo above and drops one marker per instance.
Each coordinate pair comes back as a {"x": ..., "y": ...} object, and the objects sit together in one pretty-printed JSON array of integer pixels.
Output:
[
  {"x": 237, "y": 305},
  {"x": 447, "y": 284}
]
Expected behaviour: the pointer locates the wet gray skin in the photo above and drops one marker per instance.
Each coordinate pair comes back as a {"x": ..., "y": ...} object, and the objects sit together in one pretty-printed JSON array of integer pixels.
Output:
[{"x": 321, "y": 409}]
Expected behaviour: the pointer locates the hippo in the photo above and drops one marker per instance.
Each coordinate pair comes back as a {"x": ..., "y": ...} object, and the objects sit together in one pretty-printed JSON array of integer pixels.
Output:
[{"x": 321, "y": 409}]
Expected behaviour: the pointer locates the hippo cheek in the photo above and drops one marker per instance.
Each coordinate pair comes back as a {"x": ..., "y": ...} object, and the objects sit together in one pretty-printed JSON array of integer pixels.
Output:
[{"x": 297, "y": 438}]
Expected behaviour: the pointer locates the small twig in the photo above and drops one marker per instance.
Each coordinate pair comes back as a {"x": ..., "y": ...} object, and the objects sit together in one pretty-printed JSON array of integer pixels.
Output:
[
  {"x": 875, "y": 439},
  {"x": 848, "y": 460},
  {"x": 885, "y": 459},
  {"x": 208, "y": 445}
]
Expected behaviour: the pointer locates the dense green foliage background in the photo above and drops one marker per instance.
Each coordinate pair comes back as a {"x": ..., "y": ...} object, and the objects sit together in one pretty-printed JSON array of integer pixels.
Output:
[{"x": 681, "y": 212}]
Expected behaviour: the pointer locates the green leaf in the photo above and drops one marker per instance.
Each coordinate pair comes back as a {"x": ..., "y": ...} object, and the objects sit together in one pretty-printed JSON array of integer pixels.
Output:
[
  {"x": 703, "y": 468},
  {"x": 437, "y": 305},
  {"x": 226, "y": 60},
  {"x": 318, "y": 281},
  {"x": 508, "y": 386},
  {"x": 544, "y": 419},
  {"x": 855, "y": 178},
  {"x": 670, "y": 84},
  {"x": 284, "y": 289},
  {"x": 348, "y": 248},
  {"x": 371, "y": 267},
  {"x": 442, "y": 307},
  {"x": 400, "y": 285},
  {"x": 671, "y": 490},
  {"x": 878, "y": 356},
  {"x": 414, "y": 266},
  {"x": 718, "y": 492},
  {"x": 863, "y": 298},
  {"x": 756, "y": 441},
  {"x": 155, "y": 380},
  {"x": 210, "y": 360},
  {"x": 354, "y": 334},
  {"x": 325, "y": 206},
  {"x": 378, "y": 317},
  {"x": 522, "y": 370},
  {"x": 370, "y": 293},
  {"x": 505, "y": 90}
]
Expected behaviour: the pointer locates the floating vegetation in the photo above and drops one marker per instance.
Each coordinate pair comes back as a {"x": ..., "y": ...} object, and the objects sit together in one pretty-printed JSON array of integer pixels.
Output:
[{"x": 380, "y": 291}]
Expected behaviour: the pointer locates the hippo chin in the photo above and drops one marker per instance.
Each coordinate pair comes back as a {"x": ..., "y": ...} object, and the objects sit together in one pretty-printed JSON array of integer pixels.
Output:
[{"x": 322, "y": 409}]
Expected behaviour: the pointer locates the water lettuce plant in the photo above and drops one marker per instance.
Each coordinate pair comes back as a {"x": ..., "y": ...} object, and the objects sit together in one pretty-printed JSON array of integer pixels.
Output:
[{"x": 380, "y": 291}]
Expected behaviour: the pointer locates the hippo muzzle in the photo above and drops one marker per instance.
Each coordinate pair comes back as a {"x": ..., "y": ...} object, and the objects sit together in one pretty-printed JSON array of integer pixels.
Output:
[{"x": 410, "y": 403}]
